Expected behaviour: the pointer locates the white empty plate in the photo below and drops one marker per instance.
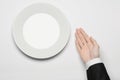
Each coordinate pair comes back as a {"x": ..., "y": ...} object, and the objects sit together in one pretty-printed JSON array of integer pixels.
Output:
[{"x": 41, "y": 31}]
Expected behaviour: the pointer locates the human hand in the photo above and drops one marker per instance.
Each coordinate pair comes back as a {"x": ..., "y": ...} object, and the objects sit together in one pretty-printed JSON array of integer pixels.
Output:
[{"x": 86, "y": 46}]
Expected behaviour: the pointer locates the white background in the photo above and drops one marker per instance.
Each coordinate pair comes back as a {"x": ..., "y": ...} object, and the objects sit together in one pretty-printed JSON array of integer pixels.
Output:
[{"x": 100, "y": 19}]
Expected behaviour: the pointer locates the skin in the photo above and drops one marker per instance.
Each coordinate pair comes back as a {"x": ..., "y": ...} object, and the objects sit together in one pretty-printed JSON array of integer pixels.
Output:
[{"x": 87, "y": 47}]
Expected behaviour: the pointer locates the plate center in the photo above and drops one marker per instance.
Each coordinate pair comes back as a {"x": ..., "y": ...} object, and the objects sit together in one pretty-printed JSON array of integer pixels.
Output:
[{"x": 41, "y": 30}]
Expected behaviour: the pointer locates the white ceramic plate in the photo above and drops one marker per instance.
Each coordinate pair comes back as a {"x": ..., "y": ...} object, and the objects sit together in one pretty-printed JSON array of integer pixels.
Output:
[{"x": 47, "y": 52}]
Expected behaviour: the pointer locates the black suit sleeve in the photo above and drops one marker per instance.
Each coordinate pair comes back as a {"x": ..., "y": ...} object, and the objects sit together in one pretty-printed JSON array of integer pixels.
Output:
[{"x": 97, "y": 72}]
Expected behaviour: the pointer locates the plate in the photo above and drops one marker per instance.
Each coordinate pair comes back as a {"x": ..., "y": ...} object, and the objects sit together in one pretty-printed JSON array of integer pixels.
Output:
[{"x": 56, "y": 48}]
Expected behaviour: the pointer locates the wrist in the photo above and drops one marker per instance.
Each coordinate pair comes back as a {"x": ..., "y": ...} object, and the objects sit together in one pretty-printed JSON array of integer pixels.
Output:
[{"x": 92, "y": 62}]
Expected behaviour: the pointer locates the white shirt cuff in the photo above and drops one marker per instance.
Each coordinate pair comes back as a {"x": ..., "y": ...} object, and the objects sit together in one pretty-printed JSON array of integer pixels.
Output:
[{"x": 92, "y": 62}]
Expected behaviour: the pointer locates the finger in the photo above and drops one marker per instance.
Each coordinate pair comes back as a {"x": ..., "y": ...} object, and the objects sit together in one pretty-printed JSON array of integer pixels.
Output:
[
  {"x": 81, "y": 36},
  {"x": 77, "y": 45},
  {"x": 91, "y": 41},
  {"x": 85, "y": 35},
  {"x": 87, "y": 38},
  {"x": 79, "y": 40},
  {"x": 94, "y": 42}
]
